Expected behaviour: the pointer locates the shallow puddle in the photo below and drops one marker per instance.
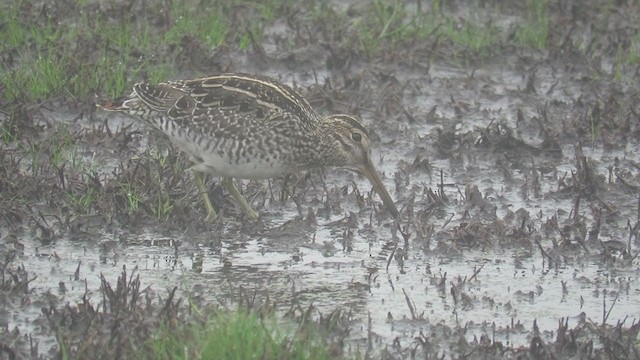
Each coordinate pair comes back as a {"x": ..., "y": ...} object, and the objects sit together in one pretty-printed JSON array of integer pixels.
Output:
[{"x": 513, "y": 287}]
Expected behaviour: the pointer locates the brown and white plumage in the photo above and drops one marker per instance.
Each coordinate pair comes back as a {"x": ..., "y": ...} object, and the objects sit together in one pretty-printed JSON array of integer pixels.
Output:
[{"x": 250, "y": 127}]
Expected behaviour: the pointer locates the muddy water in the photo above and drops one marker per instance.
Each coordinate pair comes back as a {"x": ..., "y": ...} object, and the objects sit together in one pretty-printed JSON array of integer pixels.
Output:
[
  {"x": 406, "y": 291},
  {"x": 512, "y": 287}
]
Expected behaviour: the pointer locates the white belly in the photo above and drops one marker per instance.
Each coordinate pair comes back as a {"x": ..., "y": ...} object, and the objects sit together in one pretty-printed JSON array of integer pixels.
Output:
[
  {"x": 255, "y": 167},
  {"x": 255, "y": 170}
]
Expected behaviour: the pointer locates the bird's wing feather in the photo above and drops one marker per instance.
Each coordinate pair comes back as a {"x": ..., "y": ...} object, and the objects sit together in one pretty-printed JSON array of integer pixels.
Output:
[
  {"x": 162, "y": 97},
  {"x": 245, "y": 93}
]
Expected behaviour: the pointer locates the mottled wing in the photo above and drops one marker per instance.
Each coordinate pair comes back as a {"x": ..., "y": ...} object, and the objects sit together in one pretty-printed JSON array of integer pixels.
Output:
[{"x": 243, "y": 96}]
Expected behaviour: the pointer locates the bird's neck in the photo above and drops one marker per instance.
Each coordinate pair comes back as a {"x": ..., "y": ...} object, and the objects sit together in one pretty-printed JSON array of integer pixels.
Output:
[{"x": 329, "y": 148}]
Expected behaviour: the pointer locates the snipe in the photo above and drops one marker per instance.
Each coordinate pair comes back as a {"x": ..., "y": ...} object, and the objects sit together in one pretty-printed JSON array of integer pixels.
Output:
[{"x": 250, "y": 127}]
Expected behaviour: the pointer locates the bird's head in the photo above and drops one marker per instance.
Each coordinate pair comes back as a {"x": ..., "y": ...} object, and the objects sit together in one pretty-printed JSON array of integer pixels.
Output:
[{"x": 352, "y": 150}]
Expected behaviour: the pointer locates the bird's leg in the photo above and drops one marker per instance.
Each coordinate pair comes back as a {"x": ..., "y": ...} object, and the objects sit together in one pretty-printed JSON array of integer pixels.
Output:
[
  {"x": 233, "y": 190},
  {"x": 211, "y": 212}
]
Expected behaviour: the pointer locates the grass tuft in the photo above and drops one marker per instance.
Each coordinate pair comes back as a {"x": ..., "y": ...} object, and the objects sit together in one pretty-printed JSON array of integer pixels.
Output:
[
  {"x": 234, "y": 335},
  {"x": 211, "y": 28},
  {"x": 535, "y": 30},
  {"x": 471, "y": 36}
]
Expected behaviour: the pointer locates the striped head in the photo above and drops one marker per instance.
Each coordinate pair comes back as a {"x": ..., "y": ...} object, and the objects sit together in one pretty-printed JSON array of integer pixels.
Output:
[{"x": 351, "y": 148}]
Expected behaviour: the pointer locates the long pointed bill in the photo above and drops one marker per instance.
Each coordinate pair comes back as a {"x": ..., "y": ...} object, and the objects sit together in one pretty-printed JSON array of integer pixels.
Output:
[{"x": 371, "y": 173}]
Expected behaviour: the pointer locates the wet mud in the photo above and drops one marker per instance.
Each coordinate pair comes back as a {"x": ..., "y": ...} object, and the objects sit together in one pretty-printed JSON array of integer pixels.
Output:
[{"x": 516, "y": 175}]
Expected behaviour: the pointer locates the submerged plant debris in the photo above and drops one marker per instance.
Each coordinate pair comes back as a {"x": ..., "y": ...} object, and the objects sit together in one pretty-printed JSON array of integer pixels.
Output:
[{"x": 506, "y": 132}]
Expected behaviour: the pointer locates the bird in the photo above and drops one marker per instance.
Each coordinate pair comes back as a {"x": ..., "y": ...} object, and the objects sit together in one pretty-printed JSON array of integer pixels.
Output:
[{"x": 244, "y": 126}]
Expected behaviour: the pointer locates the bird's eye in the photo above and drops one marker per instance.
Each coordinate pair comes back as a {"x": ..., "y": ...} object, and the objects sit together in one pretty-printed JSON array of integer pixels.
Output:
[{"x": 357, "y": 137}]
